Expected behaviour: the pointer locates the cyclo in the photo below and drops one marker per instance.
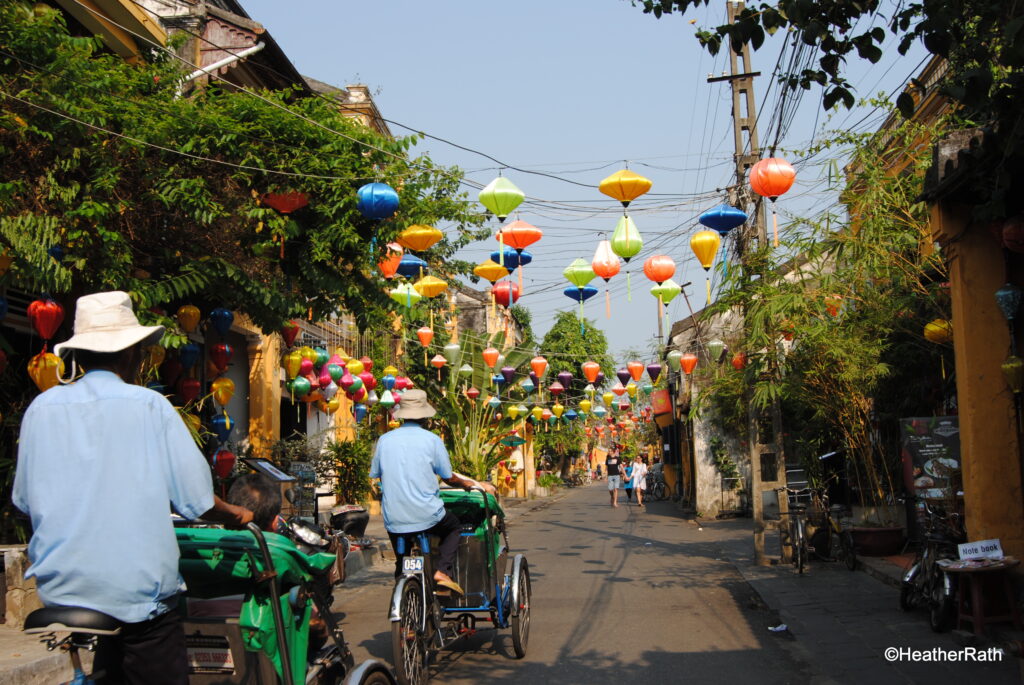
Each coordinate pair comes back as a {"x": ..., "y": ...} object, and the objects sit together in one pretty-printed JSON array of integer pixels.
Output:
[
  {"x": 423, "y": 621},
  {"x": 248, "y": 608}
]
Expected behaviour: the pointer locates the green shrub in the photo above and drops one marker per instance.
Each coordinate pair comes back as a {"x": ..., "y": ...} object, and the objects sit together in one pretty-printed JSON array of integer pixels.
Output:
[
  {"x": 549, "y": 480},
  {"x": 351, "y": 460}
]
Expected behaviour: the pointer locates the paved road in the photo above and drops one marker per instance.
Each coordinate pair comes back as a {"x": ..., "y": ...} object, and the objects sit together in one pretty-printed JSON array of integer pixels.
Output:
[{"x": 619, "y": 595}]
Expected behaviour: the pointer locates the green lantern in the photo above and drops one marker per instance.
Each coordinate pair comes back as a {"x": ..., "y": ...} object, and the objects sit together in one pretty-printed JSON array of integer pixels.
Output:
[
  {"x": 579, "y": 273},
  {"x": 674, "y": 358},
  {"x": 667, "y": 291},
  {"x": 465, "y": 370},
  {"x": 715, "y": 349},
  {"x": 626, "y": 240},
  {"x": 452, "y": 352},
  {"x": 501, "y": 197}
]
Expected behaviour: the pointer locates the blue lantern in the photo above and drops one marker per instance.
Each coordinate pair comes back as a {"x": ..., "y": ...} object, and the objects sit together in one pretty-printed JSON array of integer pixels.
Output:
[
  {"x": 571, "y": 415},
  {"x": 388, "y": 381},
  {"x": 411, "y": 266},
  {"x": 494, "y": 402},
  {"x": 377, "y": 201},
  {"x": 359, "y": 412},
  {"x": 222, "y": 427},
  {"x": 512, "y": 257},
  {"x": 498, "y": 379},
  {"x": 1008, "y": 298},
  {"x": 188, "y": 355},
  {"x": 222, "y": 319},
  {"x": 528, "y": 386},
  {"x": 580, "y": 295},
  {"x": 723, "y": 218}
]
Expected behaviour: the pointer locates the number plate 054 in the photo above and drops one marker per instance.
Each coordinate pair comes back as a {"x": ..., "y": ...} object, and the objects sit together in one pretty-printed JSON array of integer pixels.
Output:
[{"x": 412, "y": 565}]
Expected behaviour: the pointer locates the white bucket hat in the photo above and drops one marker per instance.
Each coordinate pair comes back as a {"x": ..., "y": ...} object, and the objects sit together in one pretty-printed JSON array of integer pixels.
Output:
[
  {"x": 105, "y": 322},
  {"x": 414, "y": 405}
]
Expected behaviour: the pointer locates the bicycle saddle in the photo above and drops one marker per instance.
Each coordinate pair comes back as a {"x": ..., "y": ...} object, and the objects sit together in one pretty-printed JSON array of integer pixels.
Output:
[{"x": 71, "y": 619}]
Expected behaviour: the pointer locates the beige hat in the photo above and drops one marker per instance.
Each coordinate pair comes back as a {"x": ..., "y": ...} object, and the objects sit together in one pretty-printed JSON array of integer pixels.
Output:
[
  {"x": 105, "y": 322},
  {"x": 414, "y": 405}
]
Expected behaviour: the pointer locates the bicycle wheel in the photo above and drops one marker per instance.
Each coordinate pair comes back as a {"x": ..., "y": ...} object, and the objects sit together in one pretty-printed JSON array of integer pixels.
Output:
[
  {"x": 941, "y": 608},
  {"x": 659, "y": 491},
  {"x": 521, "y": 617},
  {"x": 847, "y": 550},
  {"x": 799, "y": 548},
  {"x": 408, "y": 642}
]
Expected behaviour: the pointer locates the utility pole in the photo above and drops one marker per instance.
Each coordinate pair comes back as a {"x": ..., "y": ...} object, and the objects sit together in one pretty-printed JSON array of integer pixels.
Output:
[{"x": 767, "y": 466}]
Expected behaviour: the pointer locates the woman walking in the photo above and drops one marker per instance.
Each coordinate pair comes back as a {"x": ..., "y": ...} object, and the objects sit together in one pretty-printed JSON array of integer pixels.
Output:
[{"x": 639, "y": 480}]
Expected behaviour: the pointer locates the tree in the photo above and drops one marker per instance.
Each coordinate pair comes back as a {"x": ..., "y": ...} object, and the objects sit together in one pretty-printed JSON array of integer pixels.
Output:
[
  {"x": 569, "y": 343},
  {"x": 981, "y": 41}
]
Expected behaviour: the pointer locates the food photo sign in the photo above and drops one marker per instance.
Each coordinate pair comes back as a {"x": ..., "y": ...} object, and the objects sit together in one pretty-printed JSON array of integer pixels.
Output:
[{"x": 931, "y": 457}]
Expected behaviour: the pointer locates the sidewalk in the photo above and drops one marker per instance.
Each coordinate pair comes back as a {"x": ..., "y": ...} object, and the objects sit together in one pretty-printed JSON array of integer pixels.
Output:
[
  {"x": 844, "y": 621},
  {"x": 25, "y": 661}
]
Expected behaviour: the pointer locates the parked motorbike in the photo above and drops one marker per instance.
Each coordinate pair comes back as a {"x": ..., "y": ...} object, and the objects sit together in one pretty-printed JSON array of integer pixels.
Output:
[{"x": 925, "y": 583}]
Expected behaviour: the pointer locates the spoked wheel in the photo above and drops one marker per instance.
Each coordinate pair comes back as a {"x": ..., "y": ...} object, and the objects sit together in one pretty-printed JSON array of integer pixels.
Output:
[
  {"x": 659, "y": 492},
  {"x": 407, "y": 639},
  {"x": 907, "y": 600},
  {"x": 801, "y": 556},
  {"x": 847, "y": 549},
  {"x": 521, "y": 614},
  {"x": 941, "y": 609}
]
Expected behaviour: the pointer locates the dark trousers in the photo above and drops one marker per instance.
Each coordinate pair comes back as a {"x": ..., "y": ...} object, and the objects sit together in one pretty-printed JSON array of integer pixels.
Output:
[
  {"x": 448, "y": 529},
  {"x": 148, "y": 653},
  {"x": 629, "y": 494}
]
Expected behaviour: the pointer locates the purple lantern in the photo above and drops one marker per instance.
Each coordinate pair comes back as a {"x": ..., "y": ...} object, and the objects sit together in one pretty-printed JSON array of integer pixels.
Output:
[
  {"x": 535, "y": 379},
  {"x": 653, "y": 372},
  {"x": 623, "y": 376},
  {"x": 508, "y": 373},
  {"x": 565, "y": 378},
  {"x": 600, "y": 378}
]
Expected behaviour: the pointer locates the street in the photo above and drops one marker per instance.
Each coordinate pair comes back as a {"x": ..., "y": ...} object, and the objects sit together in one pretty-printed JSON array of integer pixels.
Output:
[{"x": 647, "y": 596}]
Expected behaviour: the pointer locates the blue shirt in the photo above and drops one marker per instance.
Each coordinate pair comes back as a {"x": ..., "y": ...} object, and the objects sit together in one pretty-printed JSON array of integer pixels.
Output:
[
  {"x": 100, "y": 464},
  {"x": 408, "y": 461}
]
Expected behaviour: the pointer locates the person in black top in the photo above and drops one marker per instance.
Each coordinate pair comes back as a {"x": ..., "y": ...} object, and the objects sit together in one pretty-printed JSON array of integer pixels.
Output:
[{"x": 612, "y": 463}]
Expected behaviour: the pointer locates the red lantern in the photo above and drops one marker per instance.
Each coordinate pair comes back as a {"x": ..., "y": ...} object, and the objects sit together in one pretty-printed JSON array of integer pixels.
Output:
[
  {"x": 472, "y": 393},
  {"x": 437, "y": 361},
  {"x": 46, "y": 317},
  {"x": 739, "y": 361},
  {"x": 688, "y": 361},
  {"x": 772, "y": 177},
  {"x": 505, "y": 293},
  {"x": 188, "y": 389},
  {"x": 389, "y": 265},
  {"x": 367, "y": 363},
  {"x": 286, "y": 203},
  {"x": 659, "y": 268},
  {"x": 220, "y": 355},
  {"x": 223, "y": 463},
  {"x": 290, "y": 331}
]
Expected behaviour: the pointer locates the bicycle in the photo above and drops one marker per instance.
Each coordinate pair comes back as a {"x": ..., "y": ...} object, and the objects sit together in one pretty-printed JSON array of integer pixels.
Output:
[
  {"x": 657, "y": 489},
  {"x": 797, "y": 528},
  {"x": 926, "y": 583},
  {"x": 831, "y": 542}
]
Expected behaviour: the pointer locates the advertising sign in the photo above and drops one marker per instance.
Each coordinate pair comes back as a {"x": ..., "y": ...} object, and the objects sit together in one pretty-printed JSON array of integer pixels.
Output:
[{"x": 931, "y": 456}]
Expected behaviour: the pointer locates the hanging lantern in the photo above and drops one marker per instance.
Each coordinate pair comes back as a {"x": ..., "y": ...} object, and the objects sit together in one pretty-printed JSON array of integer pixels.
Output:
[
  {"x": 600, "y": 412},
  {"x": 688, "y": 361},
  {"x": 739, "y": 361},
  {"x": 654, "y": 371},
  {"x": 723, "y": 218},
  {"x": 579, "y": 273},
  {"x": 556, "y": 388},
  {"x": 585, "y": 406},
  {"x": 659, "y": 268},
  {"x": 286, "y": 202},
  {"x": 465, "y": 371},
  {"x": 188, "y": 318},
  {"x": 438, "y": 361},
  {"x": 715, "y": 349},
  {"x": 590, "y": 370},
  {"x": 501, "y": 197},
  {"x": 705, "y": 245},
  {"x": 619, "y": 389},
  {"x": 377, "y": 201},
  {"x": 939, "y": 331},
  {"x": 387, "y": 400},
  {"x": 472, "y": 393},
  {"x": 528, "y": 385},
  {"x": 521, "y": 410},
  {"x": 626, "y": 241},
  {"x": 411, "y": 266},
  {"x": 605, "y": 264},
  {"x": 565, "y": 378},
  {"x": 623, "y": 375},
  {"x": 45, "y": 370},
  {"x": 419, "y": 237},
  {"x": 490, "y": 270},
  {"x": 557, "y": 410},
  {"x": 539, "y": 365},
  {"x": 405, "y": 295},
  {"x": 513, "y": 412},
  {"x": 647, "y": 387},
  {"x": 631, "y": 389},
  {"x": 510, "y": 258},
  {"x": 425, "y": 334},
  {"x": 493, "y": 402},
  {"x": 771, "y": 178},
  {"x": 1013, "y": 371},
  {"x": 188, "y": 355},
  {"x": 508, "y": 373},
  {"x": 430, "y": 286},
  {"x": 392, "y": 258},
  {"x": 590, "y": 390},
  {"x": 221, "y": 320},
  {"x": 1008, "y": 298},
  {"x": 667, "y": 291},
  {"x": 580, "y": 295},
  {"x": 490, "y": 356},
  {"x": 452, "y": 352},
  {"x": 220, "y": 355},
  {"x": 674, "y": 358},
  {"x": 538, "y": 413},
  {"x": 519, "y": 235},
  {"x": 289, "y": 331},
  {"x": 625, "y": 186},
  {"x": 546, "y": 415},
  {"x": 636, "y": 370},
  {"x": 608, "y": 397},
  {"x": 505, "y": 293},
  {"x": 188, "y": 389}
]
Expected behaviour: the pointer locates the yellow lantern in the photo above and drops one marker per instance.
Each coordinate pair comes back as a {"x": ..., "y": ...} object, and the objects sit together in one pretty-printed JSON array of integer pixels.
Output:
[
  {"x": 308, "y": 352},
  {"x": 537, "y": 412},
  {"x": 608, "y": 398},
  {"x": 490, "y": 270},
  {"x": 155, "y": 355},
  {"x": 705, "y": 245},
  {"x": 419, "y": 237},
  {"x": 394, "y": 423},
  {"x": 1013, "y": 371},
  {"x": 188, "y": 318},
  {"x": 585, "y": 406},
  {"x": 513, "y": 412},
  {"x": 329, "y": 406},
  {"x": 939, "y": 331},
  {"x": 223, "y": 390},
  {"x": 558, "y": 410},
  {"x": 631, "y": 389},
  {"x": 390, "y": 371},
  {"x": 355, "y": 367},
  {"x": 625, "y": 186},
  {"x": 45, "y": 369},
  {"x": 430, "y": 286},
  {"x": 292, "y": 363}
]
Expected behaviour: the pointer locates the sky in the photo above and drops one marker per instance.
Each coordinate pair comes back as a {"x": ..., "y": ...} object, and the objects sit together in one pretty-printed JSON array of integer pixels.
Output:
[{"x": 576, "y": 89}]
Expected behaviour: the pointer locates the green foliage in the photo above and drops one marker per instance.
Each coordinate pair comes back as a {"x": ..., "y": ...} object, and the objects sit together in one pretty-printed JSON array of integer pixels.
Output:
[
  {"x": 524, "y": 319},
  {"x": 981, "y": 41},
  {"x": 566, "y": 347},
  {"x": 550, "y": 480},
  {"x": 161, "y": 195},
  {"x": 854, "y": 297},
  {"x": 351, "y": 461},
  {"x": 723, "y": 462}
]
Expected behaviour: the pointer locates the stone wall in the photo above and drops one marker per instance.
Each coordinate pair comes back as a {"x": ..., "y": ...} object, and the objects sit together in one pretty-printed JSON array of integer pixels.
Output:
[{"x": 21, "y": 598}]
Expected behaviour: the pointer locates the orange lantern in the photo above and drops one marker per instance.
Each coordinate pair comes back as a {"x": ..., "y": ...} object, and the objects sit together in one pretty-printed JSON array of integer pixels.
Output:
[
  {"x": 539, "y": 366},
  {"x": 739, "y": 361},
  {"x": 636, "y": 370},
  {"x": 688, "y": 361},
  {"x": 770, "y": 178},
  {"x": 425, "y": 334},
  {"x": 605, "y": 265},
  {"x": 590, "y": 371},
  {"x": 490, "y": 356},
  {"x": 438, "y": 361},
  {"x": 389, "y": 265},
  {"x": 519, "y": 235},
  {"x": 659, "y": 268}
]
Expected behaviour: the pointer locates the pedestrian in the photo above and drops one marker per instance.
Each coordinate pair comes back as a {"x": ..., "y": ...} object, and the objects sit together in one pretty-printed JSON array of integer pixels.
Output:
[
  {"x": 101, "y": 463},
  {"x": 409, "y": 460},
  {"x": 627, "y": 481},
  {"x": 640, "y": 478},
  {"x": 612, "y": 464}
]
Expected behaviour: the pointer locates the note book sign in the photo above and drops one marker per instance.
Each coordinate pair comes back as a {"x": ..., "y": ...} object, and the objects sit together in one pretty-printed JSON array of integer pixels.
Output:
[
  {"x": 982, "y": 549},
  {"x": 209, "y": 654}
]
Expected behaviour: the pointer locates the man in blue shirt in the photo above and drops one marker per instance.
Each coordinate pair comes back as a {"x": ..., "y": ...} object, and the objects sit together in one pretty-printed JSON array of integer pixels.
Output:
[
  {"x": 101, "y": 463},
  {"x": 408, "y": 461}
]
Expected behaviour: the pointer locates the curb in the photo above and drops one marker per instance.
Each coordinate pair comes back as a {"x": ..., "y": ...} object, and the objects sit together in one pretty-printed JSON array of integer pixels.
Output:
[{"x": 46, "y": 670}]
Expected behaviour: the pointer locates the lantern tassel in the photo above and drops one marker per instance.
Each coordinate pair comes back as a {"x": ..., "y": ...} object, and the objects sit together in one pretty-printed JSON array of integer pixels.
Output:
[
  {"x": 629, "y": 288},
  {"x": 520, "y": 270},
  {"x": 501, "y": 250},
  {"x": 607, "y": 303},
  {"x": 775, "y": 227},
  {"x": 708, "y": 282}
]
